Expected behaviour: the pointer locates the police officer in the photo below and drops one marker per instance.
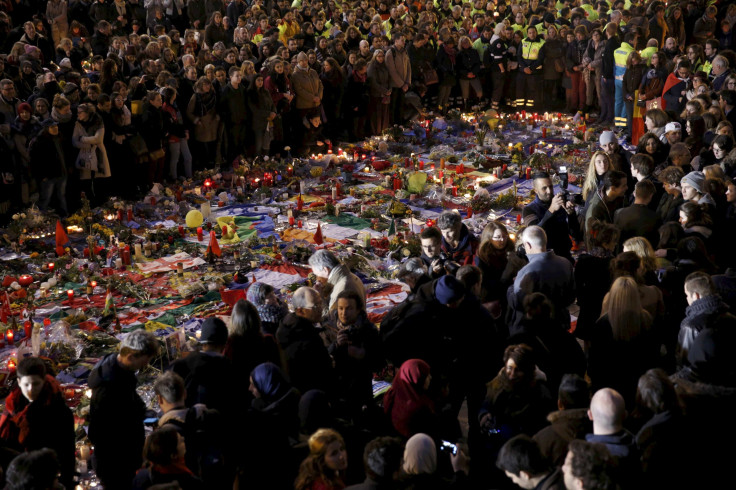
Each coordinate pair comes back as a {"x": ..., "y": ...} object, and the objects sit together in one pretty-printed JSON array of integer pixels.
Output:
[
  {"x": 530, "y": 57},
  {"x": 620, "y": 56},
  {"x": 494, "y": 59}
]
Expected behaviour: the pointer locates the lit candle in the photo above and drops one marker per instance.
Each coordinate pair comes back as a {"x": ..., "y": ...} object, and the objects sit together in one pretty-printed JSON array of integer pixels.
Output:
[
  {"x": 70, "y": 293},
  {"x": 291, "y": 221},
  {"x": 25, "y": 280},
  {"x": 200, "y": 235}
]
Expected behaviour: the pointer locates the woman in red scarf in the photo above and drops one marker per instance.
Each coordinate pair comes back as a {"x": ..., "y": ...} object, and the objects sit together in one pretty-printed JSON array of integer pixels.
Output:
[
  {"x": 165, "y": 454},
  {"x": 36, "y": 416},
  {"x": 407, "y": 402}
]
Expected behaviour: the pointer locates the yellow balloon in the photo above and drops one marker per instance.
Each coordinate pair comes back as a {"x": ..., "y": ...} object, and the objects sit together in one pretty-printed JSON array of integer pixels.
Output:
[{"x": 194, "y": 218}]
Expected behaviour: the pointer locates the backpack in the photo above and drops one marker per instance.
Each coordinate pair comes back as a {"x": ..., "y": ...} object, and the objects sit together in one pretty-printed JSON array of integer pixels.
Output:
[{"x": 202, "y": 434}]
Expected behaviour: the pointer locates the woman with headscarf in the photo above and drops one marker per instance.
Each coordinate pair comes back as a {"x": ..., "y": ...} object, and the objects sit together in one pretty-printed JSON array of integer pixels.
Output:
[
  {"x": 420, "y": 469},
  {"x": 407, "y": 402},
  {"x": 420, "y": 462}
]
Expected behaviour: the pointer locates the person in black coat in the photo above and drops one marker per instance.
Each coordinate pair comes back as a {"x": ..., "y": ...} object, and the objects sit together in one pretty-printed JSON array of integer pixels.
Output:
[
  {"x": 116, "y": 411},
  {"x": 48, "y": 166},
  {"x": 205, "y": 373},
  {"x": 353, "y": 342},
  {"x": 263, "y": 111},
  {"x": 152, "y": 130},
  {"x": 355, "y": 104},
  {"x": 639, "y": 219},
  {"x": 556, "y": 351},
  {"x": 307, "y": 361},
  {"x": 468, "y": 69},
  {"x": 554, "y": 214},
  {"x": 593, "y": 276},
  {"x": 233, "y": 111}
]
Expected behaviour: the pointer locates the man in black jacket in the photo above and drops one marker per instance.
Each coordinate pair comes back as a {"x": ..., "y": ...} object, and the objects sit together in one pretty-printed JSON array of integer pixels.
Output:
[
  {"x": 116, "y": 411},
  {"x": 234, "y": 114},
  {"x": 205, "y": 373},
  {"x": 608, "y": 84},
  {"x": 308, "y": 363},
  {"x": 554, "y": 214},
  {"x": 639, "y": 219},
  {"x": 48, "y": 166}
]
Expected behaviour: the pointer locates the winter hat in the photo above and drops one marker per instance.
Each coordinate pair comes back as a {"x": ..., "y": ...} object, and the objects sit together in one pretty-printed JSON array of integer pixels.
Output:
[
  {"x": 694, "y": 179},
  {"x": 214, "y": 331},
  {"x": 301, "y": 56},
  {"x": 29, "y": 48},
  {"x": 449, "y": 289},
  {"x": 70, "y": 88},
  {"x": 25, "y": 106},
  {"x": 607, "y": 137},
  {"x": 672, "y": 126},
  {"x": 65, "y": 63}
]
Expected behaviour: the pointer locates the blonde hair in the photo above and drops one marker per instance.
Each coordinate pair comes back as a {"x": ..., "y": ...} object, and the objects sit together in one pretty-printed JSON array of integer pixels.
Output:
[
  {"x": 623, "y": 307},
  {"x": 714, "y": 172},
  {"x": 313, "y": 468},
  {"x": 591, "y": 176},
  {"x": 643, "y": 249}
]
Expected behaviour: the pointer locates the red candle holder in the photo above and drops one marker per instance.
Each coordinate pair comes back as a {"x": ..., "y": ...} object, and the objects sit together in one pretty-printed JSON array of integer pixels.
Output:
[
  {"x": 10, "y": 338},
  {"x": 70, "y": 294},
  {"x": 200, "y": 234}
]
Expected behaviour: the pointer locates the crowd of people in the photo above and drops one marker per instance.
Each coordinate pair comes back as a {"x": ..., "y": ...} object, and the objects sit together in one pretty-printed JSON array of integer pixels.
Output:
[
  {"x": 630, "y": 393},
  {"x": 91, "y": 89}
]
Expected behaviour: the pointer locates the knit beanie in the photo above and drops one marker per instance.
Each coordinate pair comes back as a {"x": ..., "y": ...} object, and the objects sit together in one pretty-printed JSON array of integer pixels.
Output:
[{"x": 694, "y": 179}]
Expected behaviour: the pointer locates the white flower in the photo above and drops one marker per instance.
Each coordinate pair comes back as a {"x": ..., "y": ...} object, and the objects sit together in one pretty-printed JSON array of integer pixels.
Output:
[
  {"x": 16, "y": 217},
  {"x": 23, "y": 215}
]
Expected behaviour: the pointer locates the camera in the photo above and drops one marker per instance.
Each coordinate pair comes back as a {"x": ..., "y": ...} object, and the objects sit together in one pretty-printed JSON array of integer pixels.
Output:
[
  {"x": 576, "y": 199},
  {"x": 449, "y": 447},
  {"x": 448, "y": 264}
]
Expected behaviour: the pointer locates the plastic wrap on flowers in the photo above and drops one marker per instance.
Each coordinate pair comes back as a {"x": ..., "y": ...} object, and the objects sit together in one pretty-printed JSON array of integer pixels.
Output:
[{"x": 58, "y": 344}]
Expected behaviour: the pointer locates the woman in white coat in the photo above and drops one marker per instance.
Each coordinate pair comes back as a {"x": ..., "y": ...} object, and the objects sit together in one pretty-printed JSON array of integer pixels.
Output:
[{"x": 88, "y": 136}]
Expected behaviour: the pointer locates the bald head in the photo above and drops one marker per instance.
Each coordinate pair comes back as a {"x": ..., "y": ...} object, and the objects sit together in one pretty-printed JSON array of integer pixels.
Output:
[{"x": 607, "y": 411}]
